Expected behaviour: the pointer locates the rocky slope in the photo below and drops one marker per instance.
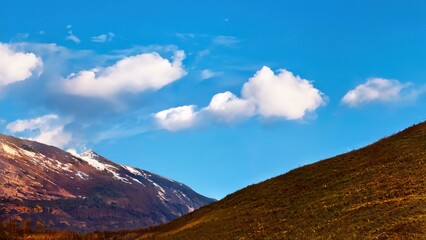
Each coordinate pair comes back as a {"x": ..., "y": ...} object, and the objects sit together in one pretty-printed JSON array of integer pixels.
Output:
[{"x": 85, "y": 192}]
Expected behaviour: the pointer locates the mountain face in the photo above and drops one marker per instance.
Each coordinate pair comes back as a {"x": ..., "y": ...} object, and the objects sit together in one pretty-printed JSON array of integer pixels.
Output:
[
  {"x": 85, "y": 192},
  {"x": 377, "y": 192}
]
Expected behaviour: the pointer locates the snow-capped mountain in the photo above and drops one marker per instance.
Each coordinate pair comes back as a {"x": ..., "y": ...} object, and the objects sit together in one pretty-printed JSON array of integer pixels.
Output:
[{"x": 65, "y": 190}]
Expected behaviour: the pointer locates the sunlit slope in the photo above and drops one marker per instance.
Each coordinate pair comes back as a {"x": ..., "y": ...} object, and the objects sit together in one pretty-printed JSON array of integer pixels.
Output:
[{"x": 377, "y": 191}]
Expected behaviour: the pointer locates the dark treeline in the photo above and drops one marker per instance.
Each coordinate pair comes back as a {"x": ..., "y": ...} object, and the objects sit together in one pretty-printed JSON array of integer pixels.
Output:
[
  {"x": 27, "y": 229},
  {"x": 31, "y": 230}
]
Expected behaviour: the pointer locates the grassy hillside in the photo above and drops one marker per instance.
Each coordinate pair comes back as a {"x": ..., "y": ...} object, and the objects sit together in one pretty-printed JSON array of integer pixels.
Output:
[{"x": 377, "y": 192}]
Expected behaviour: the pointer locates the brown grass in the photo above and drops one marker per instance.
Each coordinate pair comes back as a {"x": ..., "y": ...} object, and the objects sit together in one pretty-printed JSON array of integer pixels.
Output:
[{"x": 377, "y": 192}]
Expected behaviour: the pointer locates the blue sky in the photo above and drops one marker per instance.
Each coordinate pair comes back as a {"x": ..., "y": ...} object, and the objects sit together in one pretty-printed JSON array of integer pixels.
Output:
[{"x": 216, "y": 95}]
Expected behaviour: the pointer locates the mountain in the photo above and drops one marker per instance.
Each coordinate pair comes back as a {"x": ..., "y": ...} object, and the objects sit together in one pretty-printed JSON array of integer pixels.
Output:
[
  {"x": 87, "y": 192},
  {"x": 377, "y": 192}
]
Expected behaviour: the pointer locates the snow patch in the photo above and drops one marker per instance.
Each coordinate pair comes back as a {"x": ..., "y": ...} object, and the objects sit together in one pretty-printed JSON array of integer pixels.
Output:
[
  {"x": 65, "y": 167},
  {"x": 82, "y": 175},
  {"x": 184, "y": 200},
  {"x": 161, "y": 193},
  {"x": 35, "y": 158},
  {"x": 94, "y": 163},
  {"x": 134, "y": 179},
  {"x": 117, "y": 176},
  {"x": 93, "y": 160},
  {"x": 162, "y": 196},
  {"x": 8, "y": 149},
  {"x": 29, "y": 153},
  {"x": 132, "y": 170}
]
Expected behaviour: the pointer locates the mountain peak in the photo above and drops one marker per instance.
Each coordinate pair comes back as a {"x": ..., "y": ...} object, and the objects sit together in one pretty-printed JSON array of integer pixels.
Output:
[
  {"x": 116, "y": 196},
  {"x": 89, "y": 153}
]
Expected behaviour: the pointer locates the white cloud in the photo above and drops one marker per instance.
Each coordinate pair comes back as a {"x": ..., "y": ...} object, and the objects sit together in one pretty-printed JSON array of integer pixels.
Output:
[
  {"x": 71, "y": 36},
  {"x": 135, "y": 74},
  {"x": 73, "y": 152},
  {"x": 103, "y": 38},
  {"x": 228, "y": 107},
  {"x": 267, "y": 94},
  {"x": 284, "y": 95},
  {"x": 207, "y": 74},
  {"x": 17, "y": 66},
  {"x": 375, "y": 89},
  {"x": 178, "y": 118},
  {"x": 49, "y": 129}
]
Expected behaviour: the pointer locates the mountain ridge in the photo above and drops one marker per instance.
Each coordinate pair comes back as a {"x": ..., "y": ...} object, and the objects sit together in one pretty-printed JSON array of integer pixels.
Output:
[{"x": 85, "y": 192}]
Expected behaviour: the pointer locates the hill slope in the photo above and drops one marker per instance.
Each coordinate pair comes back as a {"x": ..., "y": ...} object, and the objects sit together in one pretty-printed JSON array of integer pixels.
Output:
[
  {"x": 85, "y": 192},
  {"x": 375, "y": 192}
]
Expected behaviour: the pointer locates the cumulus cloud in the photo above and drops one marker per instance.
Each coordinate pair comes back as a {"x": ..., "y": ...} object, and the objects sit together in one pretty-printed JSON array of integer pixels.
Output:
[
  {"x": 267, "y": 94},
  {"x": 178, "y": 118},
  {"x": 228, "y": 107},
  {"x": 103, "y": 38},
  {"x": 284, "y": 95},
  {"x": 375, "y": 89},
  {"x": 48, "y": 129},
  {"x": 17, "y": 66},
  {"x": 94, "y": 119},
  {"x": 134, "y": 74}
]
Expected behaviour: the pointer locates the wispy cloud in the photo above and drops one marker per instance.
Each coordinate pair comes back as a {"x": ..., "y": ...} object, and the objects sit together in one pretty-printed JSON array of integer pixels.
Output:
[
  {"x": 203, "y": 53},
  {"x": 221, "y": 40},
  {"x": 71, "y": 36},
  {"x": 103, "y": 38},
  {"x": 207, "y": 74},
  {"x": 228, "y": 41},
  {"x": 185, "y": 35},
  {"x": 121, "y": 130},
  {"x": 21, "y": 37}
]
